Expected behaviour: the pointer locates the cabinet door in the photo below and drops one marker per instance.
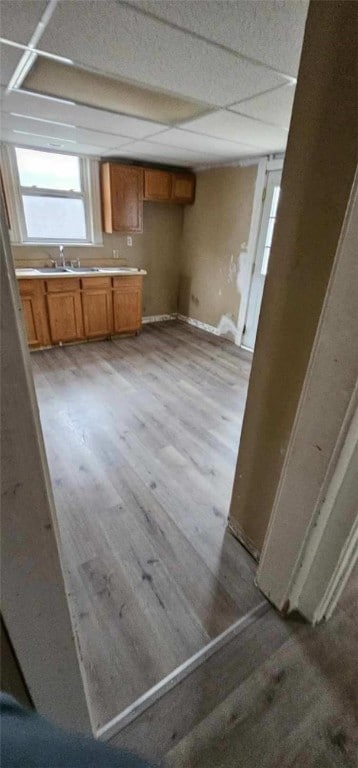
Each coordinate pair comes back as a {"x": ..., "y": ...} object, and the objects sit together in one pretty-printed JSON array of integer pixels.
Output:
[
  {"x": 97, "y": 306},
  {"x": 157, "y": 185},
  {"x": 127, "y": 304},
  {"x": 65, "y": 316},
  {"x": 34, "y": 312},
  {"x": 122, "y": 196},
  {"x": 183, "y": 188}
]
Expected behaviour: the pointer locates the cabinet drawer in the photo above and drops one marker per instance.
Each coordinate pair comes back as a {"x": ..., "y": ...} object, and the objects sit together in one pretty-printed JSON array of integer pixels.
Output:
[
  {"x": 92, "y": 283},
  {"x": 125, "y": 282},
  {"x": 62, "y": 285},
  {"x": 30, "y": 287}
]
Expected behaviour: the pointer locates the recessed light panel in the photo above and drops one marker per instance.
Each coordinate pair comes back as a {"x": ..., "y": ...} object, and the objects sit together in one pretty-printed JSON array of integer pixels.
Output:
[{"x": 69, "y": 82}]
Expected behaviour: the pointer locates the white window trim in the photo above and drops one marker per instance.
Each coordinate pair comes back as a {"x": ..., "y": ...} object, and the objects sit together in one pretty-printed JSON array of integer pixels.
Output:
[{"x": 89, "y": 168}]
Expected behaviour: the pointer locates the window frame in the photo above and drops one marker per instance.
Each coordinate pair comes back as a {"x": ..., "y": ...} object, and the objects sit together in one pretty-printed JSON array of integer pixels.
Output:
[{"x": 89, "y": 193}]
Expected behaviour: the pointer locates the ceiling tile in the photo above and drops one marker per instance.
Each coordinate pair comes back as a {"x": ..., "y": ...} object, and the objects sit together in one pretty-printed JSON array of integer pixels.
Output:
[
  {"x": 69, "y": 134},
  {"x": 274, "y": 107},
  {"x": 269, "y": 31},
  {"x": 19, "y": 18},
  {"x": 144, "y": 150},
  {"x": 84, "y": 136},
  {"x": 33, "y": 141},
  {"x": 86, "y": 117},
  {"x": 9, "y": 59},
  {"x": 143, "y": 50},
  {"x": 195, "y": 142},
  {"x": 233, "y": 127}
]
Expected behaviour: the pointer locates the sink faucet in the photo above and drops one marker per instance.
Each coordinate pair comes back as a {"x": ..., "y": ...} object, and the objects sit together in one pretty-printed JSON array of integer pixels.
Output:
[{"x": 62, "y": 257}]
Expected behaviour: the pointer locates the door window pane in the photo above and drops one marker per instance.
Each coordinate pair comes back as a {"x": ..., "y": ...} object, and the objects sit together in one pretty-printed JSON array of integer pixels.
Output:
[
  {"x": 265, "y": 260},
  {"x": 270, "y": 229},
  {"x": 275, "y": 199},
  {"x": 58, "y": 218},
  {"x": 48, "y": 170},
  {"x": 269, "y": 234}
]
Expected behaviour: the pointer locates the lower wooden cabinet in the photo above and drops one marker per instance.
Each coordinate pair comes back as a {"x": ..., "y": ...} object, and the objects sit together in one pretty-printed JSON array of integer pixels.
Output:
[
  {"x": 127, "y": 304},
  {"x": 63, "y": 310},
  {"x": 34, "y": 313},
  {"x": 97, "y": 306}
]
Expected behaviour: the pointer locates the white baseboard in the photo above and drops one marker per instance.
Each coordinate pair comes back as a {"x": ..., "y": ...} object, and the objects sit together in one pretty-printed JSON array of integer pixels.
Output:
[
  {"x": 159, "y": 318},
  {"x": 199, "y": 324}
]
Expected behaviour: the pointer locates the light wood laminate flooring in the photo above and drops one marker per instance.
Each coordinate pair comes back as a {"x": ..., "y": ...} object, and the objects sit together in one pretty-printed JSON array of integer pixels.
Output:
[
  {"x": 142, "y": 436},
  {"x": 281, "y": 694}
]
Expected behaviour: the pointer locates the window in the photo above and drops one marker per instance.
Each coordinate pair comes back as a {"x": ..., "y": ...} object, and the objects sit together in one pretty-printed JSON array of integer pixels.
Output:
[
  {"x": 270, "y": 229},
  {"x": 55, "y": 197}
]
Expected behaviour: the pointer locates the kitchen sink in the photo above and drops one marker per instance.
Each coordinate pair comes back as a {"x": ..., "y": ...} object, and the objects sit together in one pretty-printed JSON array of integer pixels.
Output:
[
  {"x": 66, "y": 270},
  {"x": 79, "y": 270}
]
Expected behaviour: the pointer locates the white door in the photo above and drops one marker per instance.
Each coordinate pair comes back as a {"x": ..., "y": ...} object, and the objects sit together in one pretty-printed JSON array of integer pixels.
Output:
[{"x": 268, "y": 218}]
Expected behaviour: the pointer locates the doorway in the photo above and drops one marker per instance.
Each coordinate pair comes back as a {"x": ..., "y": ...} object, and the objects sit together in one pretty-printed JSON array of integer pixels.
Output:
[{"x": 270, "y": 199}]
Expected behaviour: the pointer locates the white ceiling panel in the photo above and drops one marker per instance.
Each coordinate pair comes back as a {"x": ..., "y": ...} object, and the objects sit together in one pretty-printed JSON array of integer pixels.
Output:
[
  {"x": 36, "y": 142},
  {"x": 144, "y": 150},
  {"x": 115, "y": 39},
  {"x": 274, "y": 107},
  {"x": 9, "y": 59},
  {"x": 202, "y": 144},
  {"x": 270, "y": 31},
  {"x": 83, "y": 136},
  {"x": 233, "y": 127},
  {"x": 69, "y": 134},
  {"x": 86, "y": 117},
  {"x": 19, "y": 18}
]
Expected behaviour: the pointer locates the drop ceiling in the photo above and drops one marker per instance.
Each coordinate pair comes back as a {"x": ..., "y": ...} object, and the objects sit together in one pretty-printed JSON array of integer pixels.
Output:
[{"x": 180, "y": 82}]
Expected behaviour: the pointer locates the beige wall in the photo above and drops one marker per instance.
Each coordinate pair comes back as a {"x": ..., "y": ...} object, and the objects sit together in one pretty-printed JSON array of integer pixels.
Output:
[
  {"x": 317, "y": 179},
  {"x": 157, "y": 250},
  {"x": 215, "y": 229}
]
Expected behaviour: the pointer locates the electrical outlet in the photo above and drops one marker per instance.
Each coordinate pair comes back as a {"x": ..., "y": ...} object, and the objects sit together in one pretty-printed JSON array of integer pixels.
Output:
[{"x": 129, "y": 240}]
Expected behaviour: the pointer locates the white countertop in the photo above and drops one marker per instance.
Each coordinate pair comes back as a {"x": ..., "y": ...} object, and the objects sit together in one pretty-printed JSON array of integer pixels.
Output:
[{"x": 33, "y": 272}]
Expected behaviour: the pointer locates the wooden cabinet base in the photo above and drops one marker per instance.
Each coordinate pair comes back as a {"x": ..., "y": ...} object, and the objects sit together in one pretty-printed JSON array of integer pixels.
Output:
[
  {"x": 127, "y": 304},
  {"x": 70, "y": 310},
  {"x": 34, "y": 313}
]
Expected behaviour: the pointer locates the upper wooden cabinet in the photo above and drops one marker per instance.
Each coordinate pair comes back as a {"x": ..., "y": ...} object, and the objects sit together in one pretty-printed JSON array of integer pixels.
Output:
[
  {"x": 122, "y": 197},
  {"x": 124, "y": 187},
  {"x": 166, "y": 186},
  {"x": 183, "y": 187},
  {"x": 157, "y": 185}
]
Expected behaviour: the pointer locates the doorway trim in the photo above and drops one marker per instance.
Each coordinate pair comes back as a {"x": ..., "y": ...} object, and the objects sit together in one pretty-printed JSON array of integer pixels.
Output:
[
  {"x": 248, "y": 252},
  {"x": 34, "y": 601},
  {"x": 247, "y": 255},
  {"x": 273, "y": 178},
  {"x": 300, "y": 568}
]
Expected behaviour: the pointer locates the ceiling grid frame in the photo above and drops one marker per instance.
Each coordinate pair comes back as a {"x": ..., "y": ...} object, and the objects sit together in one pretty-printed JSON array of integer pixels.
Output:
[{"x": 219, "y": 144}]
